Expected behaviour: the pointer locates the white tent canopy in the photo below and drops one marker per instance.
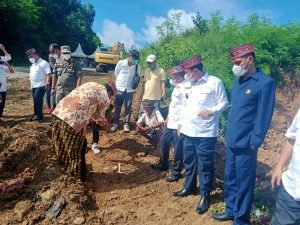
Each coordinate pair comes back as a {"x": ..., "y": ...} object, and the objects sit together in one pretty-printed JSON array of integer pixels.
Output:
[
  {"x": 94, "y": 54},
  {"x": 78, "y": 52}
]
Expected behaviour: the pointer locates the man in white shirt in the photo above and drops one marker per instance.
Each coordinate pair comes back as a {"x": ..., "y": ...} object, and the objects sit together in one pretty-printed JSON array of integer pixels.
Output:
[
  {"x": 205, "y": 101},
  {"x": 150, "y": 124},
  {"x": 4, "y": 69},
  {"x": 40, "y": 73},
  {"x": 288, "y": 200},
  {"x": 124, "y": 73},
  {"x": 170, "y": 136}
]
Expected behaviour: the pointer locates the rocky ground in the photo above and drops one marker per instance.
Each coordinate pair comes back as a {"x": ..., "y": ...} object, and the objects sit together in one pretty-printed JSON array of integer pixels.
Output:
[{"x": 121, "y": 187}]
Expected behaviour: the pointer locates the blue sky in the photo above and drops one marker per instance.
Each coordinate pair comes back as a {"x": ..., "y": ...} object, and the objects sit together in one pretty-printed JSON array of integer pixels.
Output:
[{"x": 134, "y": 22}]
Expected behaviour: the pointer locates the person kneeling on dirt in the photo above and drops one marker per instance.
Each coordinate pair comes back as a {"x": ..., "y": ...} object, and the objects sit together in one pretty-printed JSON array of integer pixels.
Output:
[
  {"x": 150, "y": 124},
  {"x": 71, "y": 116}
]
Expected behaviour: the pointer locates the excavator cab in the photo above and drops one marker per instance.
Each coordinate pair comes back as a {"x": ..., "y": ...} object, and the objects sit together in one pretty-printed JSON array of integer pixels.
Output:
[{"x": 108, "y": 58}]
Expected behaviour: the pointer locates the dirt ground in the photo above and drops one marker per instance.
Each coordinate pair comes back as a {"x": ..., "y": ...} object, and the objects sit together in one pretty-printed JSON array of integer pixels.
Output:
[{"x": 32, "y": 184}]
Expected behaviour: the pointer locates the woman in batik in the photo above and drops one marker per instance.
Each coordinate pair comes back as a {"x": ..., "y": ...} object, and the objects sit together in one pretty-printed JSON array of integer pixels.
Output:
[{"x": 71, "y": 116}]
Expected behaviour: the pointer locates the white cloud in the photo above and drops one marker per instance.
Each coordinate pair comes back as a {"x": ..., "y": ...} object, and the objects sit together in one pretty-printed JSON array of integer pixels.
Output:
[
  {"x": 113, "y": 31},
  {"x": 186, "y": 20},
  {"x": 149, "y": 33}
]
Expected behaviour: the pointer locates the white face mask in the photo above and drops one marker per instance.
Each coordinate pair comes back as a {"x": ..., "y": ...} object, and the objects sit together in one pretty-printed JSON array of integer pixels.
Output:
[
  {"x": 32, "y": 60},
  {"x": 55, "y": 56},
  {"x": 240, "y": 71},
  {"x": 66, "y": 56},
  {"x": 173, "y": 83},
  {"x": 189, "y": 77}
]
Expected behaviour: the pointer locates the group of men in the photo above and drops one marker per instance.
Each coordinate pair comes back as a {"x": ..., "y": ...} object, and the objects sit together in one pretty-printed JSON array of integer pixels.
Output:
[
  {"x": 58, "y": 77},
  {"x": 192, "y": 125}
]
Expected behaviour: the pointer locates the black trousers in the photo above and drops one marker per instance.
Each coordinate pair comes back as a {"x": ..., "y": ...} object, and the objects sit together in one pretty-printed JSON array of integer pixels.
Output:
[
  {"x": 38, "y": 100},
  {"x": 96, "y": 133},
  {"x": 168, "y": 138},
  {"x": 2, "y": 103}
]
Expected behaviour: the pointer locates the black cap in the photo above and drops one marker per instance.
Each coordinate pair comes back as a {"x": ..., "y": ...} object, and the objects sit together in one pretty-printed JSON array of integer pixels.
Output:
[
  {"x": 31, "y": 51},
  {"x": 54, "y": 46},
  {"x": 134, "y": 54}
]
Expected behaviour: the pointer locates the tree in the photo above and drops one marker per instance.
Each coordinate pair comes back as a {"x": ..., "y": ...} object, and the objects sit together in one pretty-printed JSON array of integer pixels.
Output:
[
  {"x": 200, "y": 24},
  {"x": 170, "y": 27}
]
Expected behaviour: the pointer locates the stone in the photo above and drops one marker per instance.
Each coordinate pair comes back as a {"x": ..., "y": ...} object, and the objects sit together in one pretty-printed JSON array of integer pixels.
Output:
[
  {"x": 48, "y": 195},
  {"x": 1, "y": 166},
  {"x": 25, "y": 222},
  {"x": 141, "y": 154},
  {"x": 115, "y": 169},
  {"x": 79, "y": 220},
  {"x": 22, "y": 209},
  {"x": 55, "y": 209}
]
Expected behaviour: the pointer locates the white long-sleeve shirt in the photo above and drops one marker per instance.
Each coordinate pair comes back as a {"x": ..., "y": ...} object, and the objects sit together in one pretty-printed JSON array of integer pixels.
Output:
[
  {"x": 291, "y": 177},
  {"x": 39, "y": 72},
  {"x": 176, "y": 106},
  {"x": 124, "y": 75},
  {"x": 208, "y": 93}
]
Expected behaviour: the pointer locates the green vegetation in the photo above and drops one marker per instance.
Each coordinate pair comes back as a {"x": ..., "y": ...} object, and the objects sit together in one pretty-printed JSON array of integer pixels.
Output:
[
  {"x": 276, "y": 46},
  {"x": 37, "y": 23}
]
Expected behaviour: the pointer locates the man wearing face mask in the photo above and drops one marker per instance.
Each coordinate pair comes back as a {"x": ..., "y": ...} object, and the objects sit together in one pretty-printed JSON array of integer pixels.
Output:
[
  {"x": 252, "y": 99},
  {"x": 154, "y": 88},
  {"x": 169, "y": 135},
  {"x": 40, "y": 73},
  {"x": 68, "y": 74},
  {"x": 199, "y": 127},
  {"x": 54, "y": 51},
  {"x": 124, "y": 73}
]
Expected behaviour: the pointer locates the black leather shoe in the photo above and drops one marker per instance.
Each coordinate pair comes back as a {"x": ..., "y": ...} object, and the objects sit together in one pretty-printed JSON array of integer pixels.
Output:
[
  {"x": 203, "y": 205},
  {"x": 173, "y": 178},
  {"x": 221, "y": 216},
  {"x": 159, "y": 166},
  {"x": 184, "y": 193}
]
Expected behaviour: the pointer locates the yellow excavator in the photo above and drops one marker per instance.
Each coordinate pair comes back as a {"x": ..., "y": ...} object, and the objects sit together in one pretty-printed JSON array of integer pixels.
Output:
[{"x": 108, "y": 58}]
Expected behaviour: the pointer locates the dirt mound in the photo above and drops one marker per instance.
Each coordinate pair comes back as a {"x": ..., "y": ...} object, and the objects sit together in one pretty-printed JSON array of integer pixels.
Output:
[{"x": 29, "y": 173}]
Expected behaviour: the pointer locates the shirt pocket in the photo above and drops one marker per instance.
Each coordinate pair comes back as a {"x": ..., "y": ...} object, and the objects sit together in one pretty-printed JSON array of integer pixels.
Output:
[{"x": 204, "y": 94}]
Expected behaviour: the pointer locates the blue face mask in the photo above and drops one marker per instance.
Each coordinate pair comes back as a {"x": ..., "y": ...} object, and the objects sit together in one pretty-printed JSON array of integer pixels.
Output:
[{"x": 133, "y": 61}]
